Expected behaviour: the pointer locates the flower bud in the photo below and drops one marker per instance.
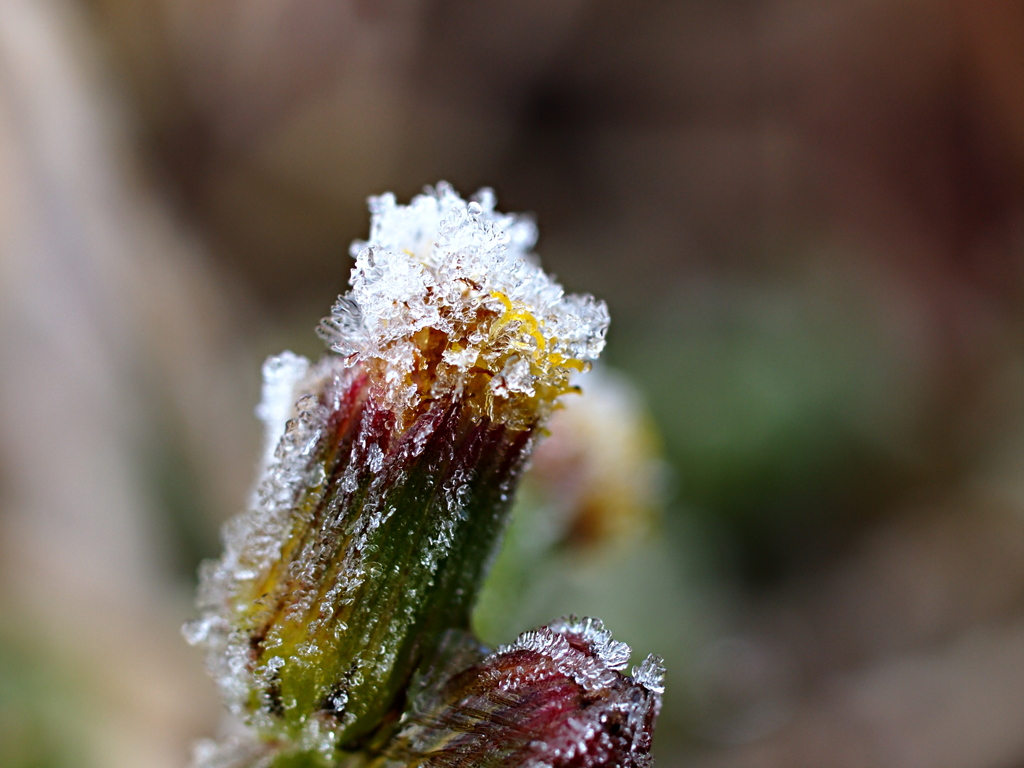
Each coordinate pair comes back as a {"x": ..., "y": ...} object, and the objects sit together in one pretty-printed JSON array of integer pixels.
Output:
[
  {"x": 556, "y": 697},
  {"x": 383, "y": 500}
]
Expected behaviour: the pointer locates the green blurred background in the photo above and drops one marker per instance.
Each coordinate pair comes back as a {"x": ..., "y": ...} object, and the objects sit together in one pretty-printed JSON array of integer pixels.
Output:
[{"x": 807, "y": 219}]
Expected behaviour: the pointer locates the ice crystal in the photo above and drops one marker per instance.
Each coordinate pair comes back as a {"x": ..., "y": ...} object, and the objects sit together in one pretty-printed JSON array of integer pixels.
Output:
[
  {"x": 448, "y": 298},
  {"x": 651, "y": 674},
  {"x": 591, "y": 635}
]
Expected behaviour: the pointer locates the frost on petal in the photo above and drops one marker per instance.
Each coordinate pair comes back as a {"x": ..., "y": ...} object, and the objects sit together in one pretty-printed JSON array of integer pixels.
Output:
[{"x": 448, "y": 298}]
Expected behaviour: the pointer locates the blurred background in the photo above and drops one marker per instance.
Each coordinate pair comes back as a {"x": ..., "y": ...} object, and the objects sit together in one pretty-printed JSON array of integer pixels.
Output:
[{"x": 806, "y": 217}]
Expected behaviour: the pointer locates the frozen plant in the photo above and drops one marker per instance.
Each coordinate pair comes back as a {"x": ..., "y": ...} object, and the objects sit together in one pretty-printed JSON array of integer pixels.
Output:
[{"x": 337, "y": 620}]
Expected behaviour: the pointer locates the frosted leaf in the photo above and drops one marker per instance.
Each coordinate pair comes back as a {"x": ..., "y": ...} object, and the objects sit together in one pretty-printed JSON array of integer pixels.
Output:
[
  {"x": 448, "y": 298},
  {"x": 548, "y": 699}
]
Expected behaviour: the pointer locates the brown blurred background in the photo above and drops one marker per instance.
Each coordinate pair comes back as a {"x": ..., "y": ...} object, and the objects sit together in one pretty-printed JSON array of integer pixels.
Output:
[{"x": 807, "y": 218}]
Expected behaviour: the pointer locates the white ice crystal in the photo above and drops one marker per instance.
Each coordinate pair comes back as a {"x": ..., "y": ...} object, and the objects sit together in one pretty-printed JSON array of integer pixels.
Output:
[
  {"x": 592, "y": 633},
  {"x": 448, "y": 298},
  {"x": 651, "y": 673}
]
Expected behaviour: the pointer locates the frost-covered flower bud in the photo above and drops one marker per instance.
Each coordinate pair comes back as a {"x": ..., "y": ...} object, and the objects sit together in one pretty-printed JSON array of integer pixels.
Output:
[
  {"x": 557, "y": 697},
  {"x": 394, "y": 462}
]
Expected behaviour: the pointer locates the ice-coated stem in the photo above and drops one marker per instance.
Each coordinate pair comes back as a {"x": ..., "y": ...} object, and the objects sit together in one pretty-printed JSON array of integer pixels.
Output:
[{"x": 388, "y": 553}]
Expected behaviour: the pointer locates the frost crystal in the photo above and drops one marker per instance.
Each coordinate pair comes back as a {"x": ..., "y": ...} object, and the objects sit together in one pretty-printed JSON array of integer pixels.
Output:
[
  {"x": 651, "y": 674},
  {"x": 597, "y": 640},
  {"x": 448, "y": 299},
  {"x": 582, "y": 648}
]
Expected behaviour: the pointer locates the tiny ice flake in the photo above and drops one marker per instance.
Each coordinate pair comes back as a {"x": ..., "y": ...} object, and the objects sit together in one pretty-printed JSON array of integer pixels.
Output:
[{"x": 651, "y": 674}]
